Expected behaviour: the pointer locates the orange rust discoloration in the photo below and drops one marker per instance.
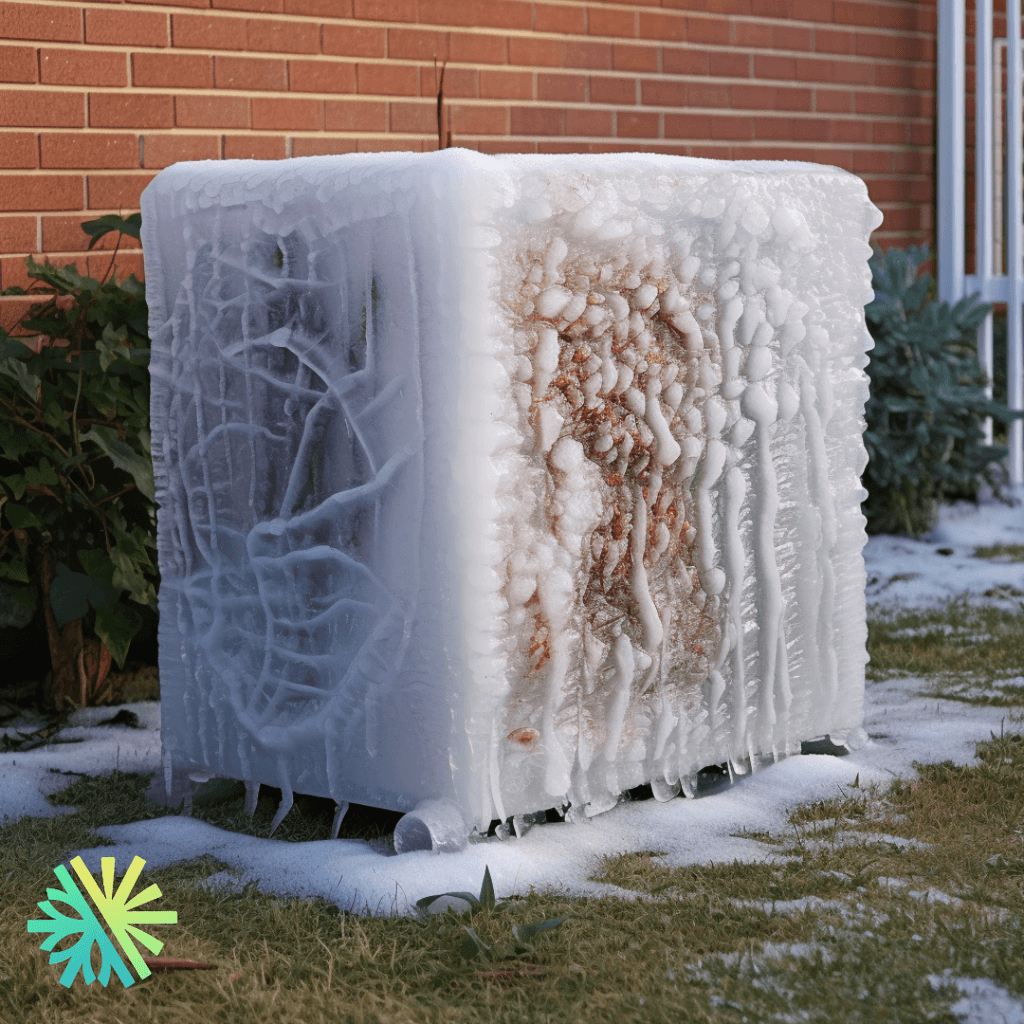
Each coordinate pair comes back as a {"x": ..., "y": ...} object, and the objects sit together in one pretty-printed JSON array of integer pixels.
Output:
[{"x": 525, "y": 736}]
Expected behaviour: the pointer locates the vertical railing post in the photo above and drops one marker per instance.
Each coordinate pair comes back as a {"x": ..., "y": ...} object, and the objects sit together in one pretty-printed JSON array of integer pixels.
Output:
[
  {"x": 952, "y": 152},
  {"x": 984, "y": 220},
  {"x": 1015, "y": 219}
]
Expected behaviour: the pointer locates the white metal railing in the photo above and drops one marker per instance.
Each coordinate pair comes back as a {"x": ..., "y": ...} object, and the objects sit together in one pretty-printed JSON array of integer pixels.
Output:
[{"x": 990, "y": 280}]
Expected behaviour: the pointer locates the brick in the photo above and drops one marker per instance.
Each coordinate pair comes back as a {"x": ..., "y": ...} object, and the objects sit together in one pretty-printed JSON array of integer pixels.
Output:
[
  {"x": 707, "y": 30},
  {"x": 387, "y": 79},
  {"x": 480, "y": 48},
  {"x": 163, "y": 150},
  {"x": 44, "y": 23},
  {"x": 608, "y": 89},
  {"x": 908, "y": 76},
  {"x": 321, "y": 76},
  {"x": 288, "y": 114},
  {"x": 662, "y": 27},
  {"x": 320, "y": 146},
  {"x": 510, "y": 85},
  {"x": 116, "y": 191},
  {"x": 474, "y": 119},
  {"x": 753, "y": 35},
  {"x": 636, "y": 58},
  {"x": 319, "y": 8},
  {"x": 356, "y": 116},
  {"x": 661, "y": 93},
  {"x": 791, "y": 37},
  {"x": 833, "y": 101},
  {"x": 813, "y": 69},
  {"x": 833, "y": 40},
  {"x": 174, "y": 3},
  {"x": 82, "y": 67},
  {"x": 735, "y": 129},
  {"x": 42, "y": 109},
  {"x": 396, "y": 145},
  {"x": 561, "y": 19},
  {"x": 385, "y": 10},
  {"x": 533, "y": 53},
  {"x": 203, "y": 32},
  {"x": 587, "y": 55},
  {"x": 708, "y": 94},
  {"x": 41, "y": 192},
  {"x": 18, "y": 64},
  {"x": 354, "y": 41},
  {"x": 850, "y": 131},
  {"x": 415, "y": 44},
  {"x": 494, "y": 146},
  {"x": 635, "y": 125},
  {"x": 65, "y": 234},
  {"x": 130, "y": 110},
  {"x": 17, "y": 234},
  {"x": 766, "y": 97},
  {"x": 772, "y": 66},
  {"x": 19, "y": 150},
  {"x": 887, "y": 133},
  {"x": 907, "y": 48},
  {"x": 687, "y": 126},
  {"x": 256, "y": 6},
  {"x": 678, "y": 60},
  {"x": 538, "y": 121},
  {"x": 126, "y": 28},
  {"x": 562, "y": 88},
  {"x": 211, "y": 112},
  {"x": 792, "y": 129},
  {"x": 172, "y": 70},
  {"x": 461, "y": 83},
  {"x": 730, "y": 65},
  {"x": 416, "y": 117},
  {"x": 254, "y": 147},
  {"x": 273, "y": 36},
  {"x": 617, "y": 24},
  {"x": 67, "y": 150},
  {"x": 250, "y": 73},
  {"x": 508, "y": 14},
  {"x": 589, "y": 122}
]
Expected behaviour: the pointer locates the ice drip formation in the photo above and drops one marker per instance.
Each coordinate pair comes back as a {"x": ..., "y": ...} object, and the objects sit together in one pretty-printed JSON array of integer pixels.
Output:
[{"x": 507, "y": 482}]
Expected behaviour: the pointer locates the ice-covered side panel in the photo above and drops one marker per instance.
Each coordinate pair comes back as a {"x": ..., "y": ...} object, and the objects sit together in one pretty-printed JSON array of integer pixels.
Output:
[
  {"x": 685, "y": 583},
  {"x": 518, "y": 481}
]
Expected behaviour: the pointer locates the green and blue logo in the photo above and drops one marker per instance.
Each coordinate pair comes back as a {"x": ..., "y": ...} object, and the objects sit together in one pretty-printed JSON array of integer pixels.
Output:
[{"x": 119, "y": 912}]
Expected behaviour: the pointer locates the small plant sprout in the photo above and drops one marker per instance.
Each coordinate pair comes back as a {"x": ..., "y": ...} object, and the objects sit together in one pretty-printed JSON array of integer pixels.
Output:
[{"x": 472, "y": 946}]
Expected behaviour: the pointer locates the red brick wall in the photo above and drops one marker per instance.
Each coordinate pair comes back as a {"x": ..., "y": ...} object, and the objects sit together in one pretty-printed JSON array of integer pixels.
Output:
[{"x": 101, "y": 95}]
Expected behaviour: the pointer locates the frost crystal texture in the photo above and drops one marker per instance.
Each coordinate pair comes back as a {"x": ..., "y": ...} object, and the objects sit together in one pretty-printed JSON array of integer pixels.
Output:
[{"x": 512, "y": 481}]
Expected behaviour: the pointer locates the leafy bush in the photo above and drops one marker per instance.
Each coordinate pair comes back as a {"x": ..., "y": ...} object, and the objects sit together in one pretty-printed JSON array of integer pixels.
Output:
[
  {"x": 77, "y": 529},
  {"x": 925, "y": 416}
]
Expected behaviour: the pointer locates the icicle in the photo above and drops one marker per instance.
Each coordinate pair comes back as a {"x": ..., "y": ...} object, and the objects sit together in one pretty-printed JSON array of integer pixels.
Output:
[
  {"x": 252, "y": 795},
  {"x": 339, "y": 813}
]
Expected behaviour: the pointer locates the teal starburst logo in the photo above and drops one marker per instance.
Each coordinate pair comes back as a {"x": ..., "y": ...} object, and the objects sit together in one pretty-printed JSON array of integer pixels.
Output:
[{"x": 118, "y": 911}]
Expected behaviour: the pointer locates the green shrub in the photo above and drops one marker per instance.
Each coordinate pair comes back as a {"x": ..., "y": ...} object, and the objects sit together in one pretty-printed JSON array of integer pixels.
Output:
[
  {"x": 925, "y": 416},
  {"x": 77, "y": 512}
]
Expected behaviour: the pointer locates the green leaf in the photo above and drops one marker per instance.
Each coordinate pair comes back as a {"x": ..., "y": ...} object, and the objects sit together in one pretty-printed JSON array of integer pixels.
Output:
[
  {"x": 473, "y": 946},
  {"x": 116, "y": 628},
  {"x": 16, "y": 570},
  {"x": 525, "y": 933},
  {"x": 20, "y": 517},
  {"x": 124, "y": 457},
  {"x": 96, "y": 229},
  {"x": 487, "y": 891},
  {"x": 71, "y": 594},
  {"x": 16, "y": 484}
]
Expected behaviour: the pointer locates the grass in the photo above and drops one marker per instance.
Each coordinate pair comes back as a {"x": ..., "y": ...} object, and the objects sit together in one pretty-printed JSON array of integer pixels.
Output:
[
  {"x": 1004, "y": 552},
  {"x": 864, "y": 908}
]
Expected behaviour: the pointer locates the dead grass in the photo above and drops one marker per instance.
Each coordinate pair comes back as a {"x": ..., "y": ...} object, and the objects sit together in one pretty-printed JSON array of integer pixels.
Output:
[{"x": 857, "y": 907}]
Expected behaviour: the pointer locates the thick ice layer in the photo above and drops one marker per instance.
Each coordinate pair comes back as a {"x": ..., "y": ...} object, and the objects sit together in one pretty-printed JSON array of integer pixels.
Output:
[{"x": 514, "y": 481}]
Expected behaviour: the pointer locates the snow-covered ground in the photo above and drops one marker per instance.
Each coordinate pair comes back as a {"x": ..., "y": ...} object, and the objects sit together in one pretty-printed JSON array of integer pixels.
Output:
[{"x": 561, "y": 856}]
